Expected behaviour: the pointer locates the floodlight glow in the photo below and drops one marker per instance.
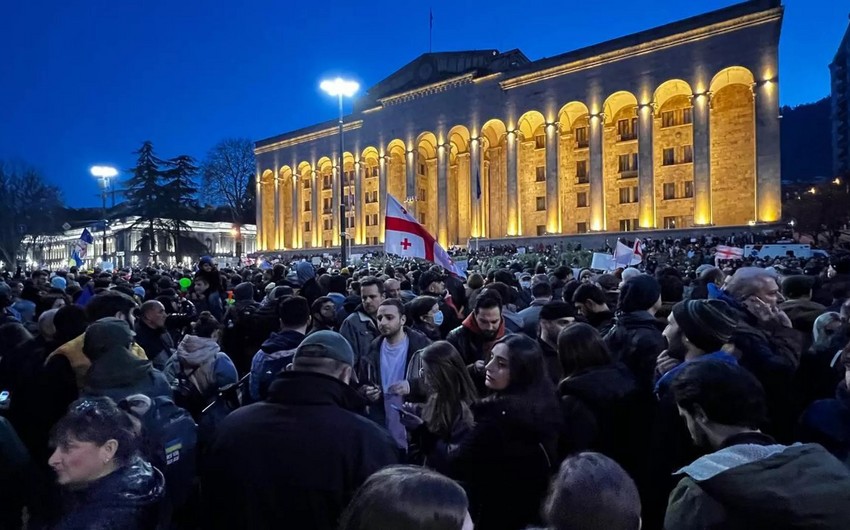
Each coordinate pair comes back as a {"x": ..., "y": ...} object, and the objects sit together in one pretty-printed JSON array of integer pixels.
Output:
[
  {"x": 104, "y": 172},
  {"x": 340, "y": 87}
]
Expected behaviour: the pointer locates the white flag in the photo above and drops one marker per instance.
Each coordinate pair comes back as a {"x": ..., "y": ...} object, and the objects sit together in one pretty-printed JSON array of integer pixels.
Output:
[
  {"x": 407, "y": 238},
  {"x": 624, "y": 256}
]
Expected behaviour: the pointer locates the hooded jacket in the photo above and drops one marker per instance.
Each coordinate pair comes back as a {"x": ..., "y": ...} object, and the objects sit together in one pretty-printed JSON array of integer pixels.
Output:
[
  {"x": 274, "y": 355},
  {"x": 114, "y": 371},
  {"x": 210, "y": 368},
  {"x": 306, "y": 275},
  {"x": 759, "y": 484},
  {"x": 157, "y": 343},
  {"x": 636, "y": 341},
  {"x": 468, "y": 341},
  {"x": 129, "y": 498},
  {"x": 295, "y": 460}
]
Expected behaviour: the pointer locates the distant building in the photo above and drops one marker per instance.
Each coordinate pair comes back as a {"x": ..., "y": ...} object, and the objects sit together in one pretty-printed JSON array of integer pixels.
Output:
[
  {"x": 672, "y": 127},
  {"x": 839, "y": 71},
  {"x": 219, "y": 239}
]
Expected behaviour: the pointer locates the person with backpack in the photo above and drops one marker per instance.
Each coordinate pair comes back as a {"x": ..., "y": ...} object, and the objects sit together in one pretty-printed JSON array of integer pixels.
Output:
[
  {"x": 276, "y": 352},
  {"x": 199, "y": 368},
  {"x": 242, "y": 335}
]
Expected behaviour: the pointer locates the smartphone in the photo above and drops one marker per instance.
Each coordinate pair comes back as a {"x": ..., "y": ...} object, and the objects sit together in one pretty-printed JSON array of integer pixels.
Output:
[{"x": 401, "y": 410}]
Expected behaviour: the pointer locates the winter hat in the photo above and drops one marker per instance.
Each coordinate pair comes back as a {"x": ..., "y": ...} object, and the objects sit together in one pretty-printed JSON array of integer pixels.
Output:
[
  {"x": 628, "y": 274},
  {"x": 139, "y": 291},
  {"x": 328, "y": 345},
  {"x": 556, "y": 309},
  {"x": 639, "y": 294},
  {"x": 608, "y": 282},
  {"x": 708, "y": 324},
  {"x": 243, "y": 291},
  {"x": 797, "y": 286},
  {"x": 59, "y": 282},
  {"x": 704, "y": 269}
]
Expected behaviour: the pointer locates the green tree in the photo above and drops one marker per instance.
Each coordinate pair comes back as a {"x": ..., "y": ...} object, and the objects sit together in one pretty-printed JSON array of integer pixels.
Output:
[
  {"x": 179, "y": 202},
  {"x": 227, "y": 176},
  {"x": 28, "y": 205},
  {"x": 146, "y": 195}
]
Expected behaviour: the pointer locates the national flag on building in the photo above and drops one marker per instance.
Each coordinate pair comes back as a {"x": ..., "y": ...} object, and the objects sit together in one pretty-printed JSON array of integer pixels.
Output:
[
  {"x": 726, "y": 252},
  {"x": 407, "y": 238},
  {"x": 80, "y": 250}
]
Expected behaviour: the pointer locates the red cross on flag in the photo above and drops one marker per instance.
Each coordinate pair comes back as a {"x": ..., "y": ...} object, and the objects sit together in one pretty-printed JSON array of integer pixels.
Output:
[{"x": 407, "y": 238}]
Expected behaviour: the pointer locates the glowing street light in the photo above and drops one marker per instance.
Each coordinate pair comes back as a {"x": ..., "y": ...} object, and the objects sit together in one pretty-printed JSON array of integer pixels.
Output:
[
  {"x": 340, "y": 88},
  {"x": 104, "y": 173}
]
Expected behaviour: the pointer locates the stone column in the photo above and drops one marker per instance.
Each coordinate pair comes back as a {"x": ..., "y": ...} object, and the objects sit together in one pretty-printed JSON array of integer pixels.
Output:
[
  {"x": 277, "y": 213},
  {"x": 701, "y": 116},
  {"x": 410, "y": 182},
  {"x": 646, "y": 166},
  {"x": 553, "y": 206},
  {"x": 475, "y": 186},
  {"x": 317, "y": 216},
  {"x": 357, "y": 204},
  {"x": 514, "y": 222},
  {"x": 443, "y": 195},
  {"x": 382, "y": 195},
  {"x": 296, "y": 211},
  {"x": 597, "y": 189},
  {"x": 768, "y": 172},
  {"x": 259, "y": 210}
]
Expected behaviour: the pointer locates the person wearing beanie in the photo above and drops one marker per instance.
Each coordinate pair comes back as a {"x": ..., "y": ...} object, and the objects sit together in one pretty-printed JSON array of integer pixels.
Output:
[
  {"x": 636, "y": 339},
  {"x": 310, "y": 421},
  {"x": 610, "y": 285},
  {"x": 800, "y": 307},
  {"x": 59, "y": 282}
]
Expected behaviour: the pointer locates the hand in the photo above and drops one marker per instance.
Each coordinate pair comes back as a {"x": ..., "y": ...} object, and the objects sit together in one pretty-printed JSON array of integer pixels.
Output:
[
  {"x": 399, "y": 388},
  {"x": 373, "y": 393},
  {"x": 758, "y": 308},
  {"x": 665, "y": 363},
  {"x": 409, "y": 418},
  {"x": 479, "y": 366}
]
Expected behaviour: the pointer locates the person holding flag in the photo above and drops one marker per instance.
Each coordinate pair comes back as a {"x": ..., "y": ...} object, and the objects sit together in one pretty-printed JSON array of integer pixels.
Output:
[{"x": 80, "y": 250}]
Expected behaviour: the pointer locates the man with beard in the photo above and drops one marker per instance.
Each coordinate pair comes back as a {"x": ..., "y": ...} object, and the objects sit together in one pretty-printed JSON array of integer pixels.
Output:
[
  {"x": 360, "y": 328},
  {"x": 474, "y": 339},
  {"x": 390, "y": 369},
  {"x": 554, "y": 317},
  {"x": 323, "y": 311},
  {"x": 750, "y": 481},
  {"x": 589, "y": 301}
]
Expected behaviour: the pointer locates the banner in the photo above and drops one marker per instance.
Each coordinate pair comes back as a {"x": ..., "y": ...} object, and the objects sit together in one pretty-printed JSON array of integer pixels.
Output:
[{"x": 80, "y": 250}]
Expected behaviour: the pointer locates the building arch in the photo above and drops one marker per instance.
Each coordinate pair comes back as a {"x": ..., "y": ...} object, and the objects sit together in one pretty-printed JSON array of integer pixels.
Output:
[
  {"x": 426, "y": 181},
  {"x": 267, "y": 193},
  {"x": 531, "y": 174},
  {"x": 494, "y": 181},
  {"x": 616, "y": 103},
  {"x": 620, "y": 161},
  {"x": 397, "y": 170},
  {"x": 673, "y": 152},
  {"x": 671, "y": 88},
  {"x": 459, "y": 186},
  {"x": 308, "y": 207},
  {"x": 733, "y": 75},
  {"x": 286, "y": 214},
  {"x": 574, "y": 167}
]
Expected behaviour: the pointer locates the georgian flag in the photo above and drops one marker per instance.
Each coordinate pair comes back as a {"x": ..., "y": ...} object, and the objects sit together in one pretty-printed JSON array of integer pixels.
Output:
[
  {"x": 407, "y": 238},
  {"x": 727, "y": 252}
]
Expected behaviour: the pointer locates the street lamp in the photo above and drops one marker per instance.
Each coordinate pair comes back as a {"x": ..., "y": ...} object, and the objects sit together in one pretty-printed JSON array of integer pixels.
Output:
[
  {"x": 340, "y": 87},
  {"x": 104, "y": 173}
]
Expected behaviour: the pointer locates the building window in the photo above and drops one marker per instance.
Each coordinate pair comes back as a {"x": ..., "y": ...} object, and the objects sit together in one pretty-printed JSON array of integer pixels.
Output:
[
  {"x": 689, "y": 188},
  {"x": 627, "y": 129},
  {"x": 541, "y": 230},
  {"x": 668, "y": 157},
  {"x": 626, "y": 225},
  {"x": 421, "y": 218},
  {"x": 307, "y": 206},
  {"x": 628, "y": 165},
  {"x": 421, "y": 196},
  {"x": 625, "y": 195},
  {"x": 581, "y": 199},
  {"x": 540, "y": 141},
  {"x": 306, "y": 183},
  {"x": 327, "y": 206},
  {"x": 635, "y": 195},
  {"x": 581, "y": 172},
  {"x": 669, "y": 191},
  {"x": 328, "y": 243},
  {"x": 421, "y": 169},
  {"x": 349, "y": 222},
  {"x": 581, "y": 228},
  {"x": 327, "y": 223},
  {"x": 372, "y": 220},
  {"x": 306, "y": 226},
  {"x": 372, "y": 172},
  {"x": 668, "y": 118},
  {"x": 687, "y": 154},
  {"x": 669, "y": 222},
  {"x": 687, "y": 116},
  {"x": 540, "y": 173},
  {"x": 541, "y": 204},
  {"x": 581, "y": 137},
  {"x": 327, "y": 181}
]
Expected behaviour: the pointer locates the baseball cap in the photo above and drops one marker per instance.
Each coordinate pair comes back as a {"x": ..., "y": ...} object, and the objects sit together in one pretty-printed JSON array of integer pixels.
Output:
[{"x": 329, "y": 345}]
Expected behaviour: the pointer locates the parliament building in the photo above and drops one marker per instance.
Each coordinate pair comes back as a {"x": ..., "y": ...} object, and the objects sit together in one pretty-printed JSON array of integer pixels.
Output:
[{"x": 672, "y": 127}]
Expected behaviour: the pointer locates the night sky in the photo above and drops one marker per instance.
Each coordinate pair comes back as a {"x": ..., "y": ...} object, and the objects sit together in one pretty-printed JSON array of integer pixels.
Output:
[{"x": 86, "y": 82}]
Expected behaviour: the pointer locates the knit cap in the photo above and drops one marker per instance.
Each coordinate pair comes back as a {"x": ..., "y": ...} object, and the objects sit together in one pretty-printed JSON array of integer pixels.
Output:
[
  {"x": 707, "y": 324},
  {"x": 639, "y": 294}
]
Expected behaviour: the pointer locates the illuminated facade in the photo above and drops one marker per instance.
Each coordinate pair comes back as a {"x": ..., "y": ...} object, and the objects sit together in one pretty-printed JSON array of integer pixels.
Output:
[
  {"x": 839, "y": 71},
  {"x": 675, "y": 126}
]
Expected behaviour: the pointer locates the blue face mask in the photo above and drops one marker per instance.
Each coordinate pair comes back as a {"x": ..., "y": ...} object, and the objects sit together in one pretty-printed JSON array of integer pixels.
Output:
[{"x": 438, "y": 318}]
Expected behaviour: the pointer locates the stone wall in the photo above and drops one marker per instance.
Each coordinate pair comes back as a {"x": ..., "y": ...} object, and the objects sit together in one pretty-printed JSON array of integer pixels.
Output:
[
  {"x": 675, "y": 137},
  {"x": 529, "y": 160},
  {"x": 732, "y": 156}
]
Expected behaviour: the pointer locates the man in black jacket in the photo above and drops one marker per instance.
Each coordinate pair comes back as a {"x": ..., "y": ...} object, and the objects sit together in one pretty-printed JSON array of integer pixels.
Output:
[
  {"x": 295, "y": 460},
  {"x": 152, "y": 335}
]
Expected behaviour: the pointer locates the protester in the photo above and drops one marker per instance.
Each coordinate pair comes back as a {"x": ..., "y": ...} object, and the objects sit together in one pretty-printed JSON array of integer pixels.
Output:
[
  {"x": 408, "y": 497},
  {"x": 589, "y": 301},
  {"x": 553, "y": 317},
  {"x": 475, "y": 338},
  {"x": 360, "y": 328},
  {"x": 542, "y": 294},
  {"x": 151, "y": 333},
  {"x": 424, "y": 315},
  {"x": 749, "y": 480},
  {"x": 279, "y": 349},
  {"x": 298, "y": 457}
]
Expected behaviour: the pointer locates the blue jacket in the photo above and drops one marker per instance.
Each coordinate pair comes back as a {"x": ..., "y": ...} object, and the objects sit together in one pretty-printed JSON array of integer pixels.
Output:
[
  {"x": 827, "y": 422},
  {"x": 664, "y": 381},
  {"x": 274, "y": 355}
]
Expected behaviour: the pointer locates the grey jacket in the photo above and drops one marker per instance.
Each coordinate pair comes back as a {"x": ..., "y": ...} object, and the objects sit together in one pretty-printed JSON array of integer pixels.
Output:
[{"x": 359, "y": 330}]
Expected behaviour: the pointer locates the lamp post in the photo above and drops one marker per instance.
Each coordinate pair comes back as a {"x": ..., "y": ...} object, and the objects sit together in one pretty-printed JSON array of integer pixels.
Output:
[
  {"x": 340, "y": 87},
  {"x": 104, "y": 173}
]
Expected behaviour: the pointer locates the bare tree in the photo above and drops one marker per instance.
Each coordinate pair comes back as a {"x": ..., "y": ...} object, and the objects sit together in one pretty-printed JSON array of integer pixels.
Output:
[
  {"x": 28, "y": 205},
  {"x": 228, "y": 177}
]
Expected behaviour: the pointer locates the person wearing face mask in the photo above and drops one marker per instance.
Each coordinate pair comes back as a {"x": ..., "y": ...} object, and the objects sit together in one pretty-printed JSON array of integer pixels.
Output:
[
  {"x": 424, "y": 315},
  {"x": 105, "y": 483},
  {"x": 433, "y": 283}
]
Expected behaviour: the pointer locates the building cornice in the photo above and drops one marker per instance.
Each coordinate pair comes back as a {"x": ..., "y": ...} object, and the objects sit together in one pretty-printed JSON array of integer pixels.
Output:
[
  {"x": 652, "y": 46},
  {"x": 308, "y": 137},
  {"x": 427, "y": 90}
]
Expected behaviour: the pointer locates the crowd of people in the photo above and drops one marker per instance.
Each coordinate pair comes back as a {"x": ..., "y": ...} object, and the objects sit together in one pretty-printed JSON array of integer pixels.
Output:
[{"x": 686, "y": 393}]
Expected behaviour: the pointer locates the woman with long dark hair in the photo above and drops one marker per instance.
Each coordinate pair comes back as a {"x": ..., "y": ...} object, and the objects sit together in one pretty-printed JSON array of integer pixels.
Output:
[
  {"x": 409, "y": 498},
  {"x": 440, "y": 424},
  {"x": 508, "y": 458}
]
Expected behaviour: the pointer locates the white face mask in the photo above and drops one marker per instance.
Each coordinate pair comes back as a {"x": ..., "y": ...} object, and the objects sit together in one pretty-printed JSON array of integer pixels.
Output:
[{"x": 525, "y": 285}]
